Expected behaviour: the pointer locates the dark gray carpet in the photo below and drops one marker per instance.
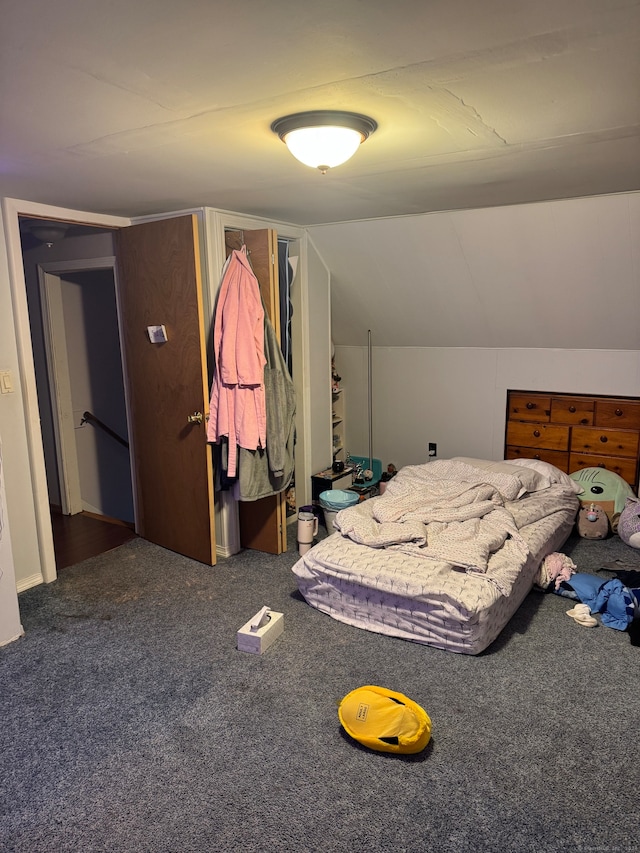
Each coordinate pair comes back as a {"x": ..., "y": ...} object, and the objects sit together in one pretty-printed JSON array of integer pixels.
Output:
[{"x": 130, "y": 722}]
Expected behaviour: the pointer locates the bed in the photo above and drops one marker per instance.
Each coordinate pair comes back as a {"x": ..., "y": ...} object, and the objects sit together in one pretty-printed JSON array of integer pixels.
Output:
[{"x": 446, "y": 555}]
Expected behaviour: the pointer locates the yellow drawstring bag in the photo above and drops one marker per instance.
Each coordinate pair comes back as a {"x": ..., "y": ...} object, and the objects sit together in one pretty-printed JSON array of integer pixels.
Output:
[{"x": 384, "y": 720}]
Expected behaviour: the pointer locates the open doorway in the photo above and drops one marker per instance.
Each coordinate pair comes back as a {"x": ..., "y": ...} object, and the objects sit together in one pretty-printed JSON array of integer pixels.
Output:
[
  {"x": 70, "y": 279},
  {"x": 30, "y": 494}
]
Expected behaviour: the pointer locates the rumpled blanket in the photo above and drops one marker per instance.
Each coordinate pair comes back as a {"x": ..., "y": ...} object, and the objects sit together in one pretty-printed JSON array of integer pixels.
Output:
[{"x": 446, "y": 510}]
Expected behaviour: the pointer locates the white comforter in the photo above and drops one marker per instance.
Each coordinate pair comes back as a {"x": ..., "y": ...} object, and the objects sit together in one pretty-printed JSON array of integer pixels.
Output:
[
  {"x": 423, "y": 561},
  {"x": 446, "y": 510}
]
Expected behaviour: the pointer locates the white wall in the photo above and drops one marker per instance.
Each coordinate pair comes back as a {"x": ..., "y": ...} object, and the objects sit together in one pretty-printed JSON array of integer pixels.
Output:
[
  {"x": 558, "y": 274},
  {"x": 457, "y": 397},
  {"x": 464, "y": 305},
  {"x": 319, "y": 313},
  {"x": 10, "y": 627},
  {"x": 97, "y": 386}
]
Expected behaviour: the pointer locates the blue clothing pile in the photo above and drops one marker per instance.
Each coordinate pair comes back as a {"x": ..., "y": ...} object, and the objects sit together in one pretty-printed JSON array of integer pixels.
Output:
[{"x": 617, "y": 604}]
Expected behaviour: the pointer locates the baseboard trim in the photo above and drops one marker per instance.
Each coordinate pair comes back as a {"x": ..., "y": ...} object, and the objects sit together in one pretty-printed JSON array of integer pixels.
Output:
[
  {"x": 12, "y": 639},
  {"x": 108, "y": 519},
  {"x": 221, "y": 551},
  {"x": 29, "y": 583}
]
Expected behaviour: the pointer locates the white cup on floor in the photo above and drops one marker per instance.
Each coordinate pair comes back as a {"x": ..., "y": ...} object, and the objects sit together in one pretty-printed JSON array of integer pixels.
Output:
[{"x": 307, "y": 529}]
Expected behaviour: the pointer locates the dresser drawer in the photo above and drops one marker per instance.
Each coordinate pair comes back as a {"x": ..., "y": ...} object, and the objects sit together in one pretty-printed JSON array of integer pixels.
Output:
[
  {"x": 572, "y": 410},
  {"x": 529, "y": 407},
  {"x": 574, "y": 431},
  {"x": 605, "y": 442},
  {"x": 538, "y": 435},
  {"x": 617, "y": 414},
  {"x": 554, "y": 457},
  {"x": 625, "y": 468}
]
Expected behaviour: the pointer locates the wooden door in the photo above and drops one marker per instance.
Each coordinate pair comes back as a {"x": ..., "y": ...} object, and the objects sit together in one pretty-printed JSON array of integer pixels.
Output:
[
  {"x": 159, "y": 284},
  {"x": 263, "y": 523}
]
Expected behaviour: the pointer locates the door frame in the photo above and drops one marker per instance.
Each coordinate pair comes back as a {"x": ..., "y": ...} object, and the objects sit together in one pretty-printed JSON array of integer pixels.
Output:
[
  {"x": 50, "y": 281},
  {"x": 12, "y": 209}
]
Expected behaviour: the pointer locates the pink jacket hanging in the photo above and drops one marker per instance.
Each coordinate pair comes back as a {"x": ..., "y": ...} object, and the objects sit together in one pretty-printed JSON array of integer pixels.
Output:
[{"x": 237, "y": 406}]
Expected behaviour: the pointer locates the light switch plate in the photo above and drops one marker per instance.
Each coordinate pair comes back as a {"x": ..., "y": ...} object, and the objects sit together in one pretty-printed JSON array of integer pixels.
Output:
[{"x": 6, "y": 382}]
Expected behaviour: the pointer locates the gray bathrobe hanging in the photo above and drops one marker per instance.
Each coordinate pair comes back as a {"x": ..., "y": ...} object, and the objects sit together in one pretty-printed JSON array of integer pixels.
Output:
[{"x": 265, "y": 472}]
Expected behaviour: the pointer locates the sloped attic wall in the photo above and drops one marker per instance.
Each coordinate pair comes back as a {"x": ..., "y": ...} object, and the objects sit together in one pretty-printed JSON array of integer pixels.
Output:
[{"x": 464, "y": 305}]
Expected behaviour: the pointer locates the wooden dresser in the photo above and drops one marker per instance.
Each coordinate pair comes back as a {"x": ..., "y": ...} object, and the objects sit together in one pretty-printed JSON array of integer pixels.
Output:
[{"x": 573, "y": 431}]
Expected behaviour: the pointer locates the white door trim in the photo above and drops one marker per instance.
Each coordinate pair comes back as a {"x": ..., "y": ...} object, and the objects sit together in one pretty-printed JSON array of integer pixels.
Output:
[{"x": 12, "y": 209}]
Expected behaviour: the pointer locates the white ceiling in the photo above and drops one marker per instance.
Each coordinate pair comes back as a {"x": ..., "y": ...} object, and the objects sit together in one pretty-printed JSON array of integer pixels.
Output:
[{"x": 153, "y": 105}]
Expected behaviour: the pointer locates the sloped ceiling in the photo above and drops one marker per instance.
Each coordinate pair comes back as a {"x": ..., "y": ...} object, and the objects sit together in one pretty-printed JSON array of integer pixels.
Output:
[
  {"x": 142, "y": 107},
  {"x": 550, "y": 275}
]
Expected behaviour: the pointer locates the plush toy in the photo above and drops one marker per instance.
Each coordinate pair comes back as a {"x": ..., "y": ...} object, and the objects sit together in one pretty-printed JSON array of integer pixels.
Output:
[
  {"x": 593, "y": 522},
  {"x": 629, "y": 523},
  {"x": 605, "y": 488},
  {"x": 555, "y": 568}
]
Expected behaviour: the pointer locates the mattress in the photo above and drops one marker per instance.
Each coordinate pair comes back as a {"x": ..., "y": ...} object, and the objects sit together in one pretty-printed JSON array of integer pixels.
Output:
[{"x": 414, "y": 564}]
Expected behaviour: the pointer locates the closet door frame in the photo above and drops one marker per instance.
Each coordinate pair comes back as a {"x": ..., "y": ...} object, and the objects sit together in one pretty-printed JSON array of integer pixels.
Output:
[{"x": 216, "y": 223}]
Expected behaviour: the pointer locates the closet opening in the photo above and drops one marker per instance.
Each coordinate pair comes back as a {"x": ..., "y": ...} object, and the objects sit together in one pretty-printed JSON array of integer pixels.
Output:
[{"x": 263, "y": 521}]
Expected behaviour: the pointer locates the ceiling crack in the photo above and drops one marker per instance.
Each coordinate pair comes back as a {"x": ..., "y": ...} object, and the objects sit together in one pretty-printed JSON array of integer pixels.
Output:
[{"x": 477, "y": 115}]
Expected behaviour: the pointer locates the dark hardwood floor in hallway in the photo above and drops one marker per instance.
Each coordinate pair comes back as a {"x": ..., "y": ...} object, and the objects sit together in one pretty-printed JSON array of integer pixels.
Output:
[{"x": 78, "y": 537}]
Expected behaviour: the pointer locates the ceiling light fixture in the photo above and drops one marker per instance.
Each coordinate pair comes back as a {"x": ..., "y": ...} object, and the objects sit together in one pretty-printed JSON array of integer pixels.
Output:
[
  {"x": 48, "y": 232},
  {"x": 323, "y": 138}
]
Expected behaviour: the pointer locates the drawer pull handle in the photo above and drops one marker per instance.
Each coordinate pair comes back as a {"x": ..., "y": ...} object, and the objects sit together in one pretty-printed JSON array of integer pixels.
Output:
[
  {"x": 536, "y": 432},
  {"x": 537, "y": 456},
  {"x": 601, "y": 465},
  {"x": 572, "y": 409},
  {"x": 531, "y": 405},
  {"x": 604, "y": 439},
  {"x": 618, "y": 412}
]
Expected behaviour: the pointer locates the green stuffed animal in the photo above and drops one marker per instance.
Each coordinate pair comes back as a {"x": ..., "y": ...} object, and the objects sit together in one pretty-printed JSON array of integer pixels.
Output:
[{"x": 604, "y": 488}]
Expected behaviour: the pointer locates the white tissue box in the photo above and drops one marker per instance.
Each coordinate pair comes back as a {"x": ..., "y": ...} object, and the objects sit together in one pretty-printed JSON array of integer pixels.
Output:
[{"x": 259, "y": 640}]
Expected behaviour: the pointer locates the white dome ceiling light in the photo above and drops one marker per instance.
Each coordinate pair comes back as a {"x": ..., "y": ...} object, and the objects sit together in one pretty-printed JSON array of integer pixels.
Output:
[
  {"x": 323, "y": 139},
  {"x": 48, "y": 232}
]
